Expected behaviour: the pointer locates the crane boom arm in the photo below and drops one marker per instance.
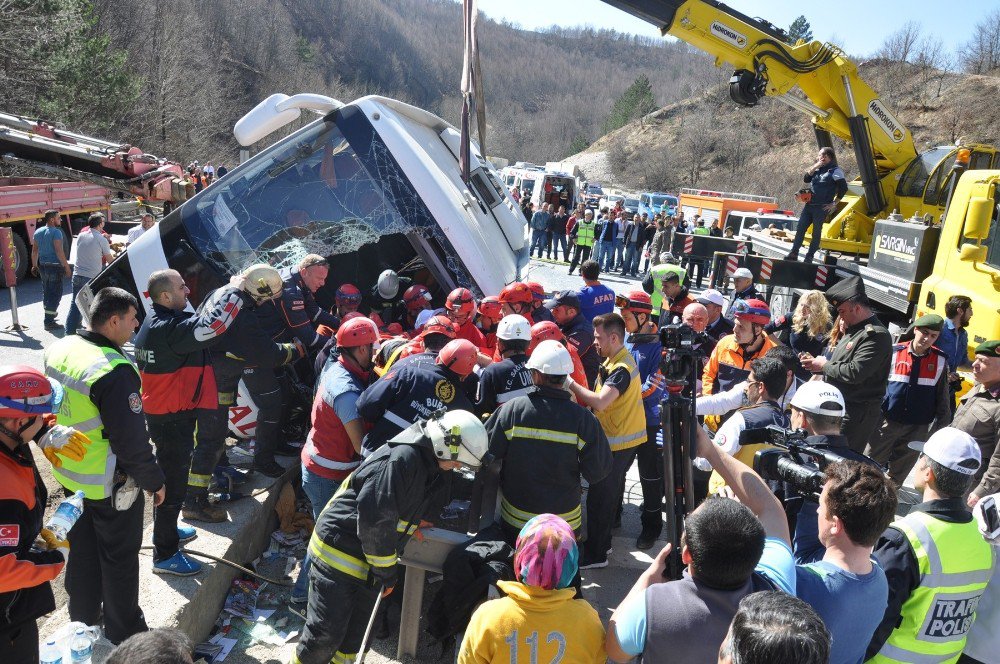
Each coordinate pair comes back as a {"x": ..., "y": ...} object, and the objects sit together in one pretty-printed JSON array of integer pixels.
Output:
[{"x": 766, "y": 65}]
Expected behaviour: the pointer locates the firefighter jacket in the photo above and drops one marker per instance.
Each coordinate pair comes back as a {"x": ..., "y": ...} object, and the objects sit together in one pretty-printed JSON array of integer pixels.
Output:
[
  {"x": 247, "y": 339},
  {"x": 25, "y": 572},
  {"x": 623, "y": 421},
  {"x": 405, "y": 395},
  {"x": 366, "y": 525},
  {"x": 296, "y": 314},
  {"x": 502, "y": 381},
  {"x": 171, "y": 351},
  {"x": 859, "y": 366},
  {"x": 918, "y": 387},
  {"x": 546, "y": 443},
  {"x": 647, "y": 351},
  {"x": 729, "y": 364},
  {"x": 329, "y": 451},
  {"x": 102, "y": 401},
  {"x": 469, "y": 331}
]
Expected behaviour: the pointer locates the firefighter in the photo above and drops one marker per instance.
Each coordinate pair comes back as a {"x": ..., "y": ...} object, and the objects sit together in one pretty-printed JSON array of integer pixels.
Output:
[
  {"x": 546, "y": 443},
  {"x": 502, "y": 381},
  {"x": 488, "y": 319},
  {"x": 361, "y": 532},
  {"x": 296, "y": 314},
  {"x": 408, "y": 394},
  {"x": 247, "y": 353},
  {"x": 178, "y": 382},
  {"x": 416, "y": 298},
  {"x": 547, "y": 330},
  {"x": 28, "y": 563},
  {"x": 347, "y": 299},
  {"x": 517, "y": 299},
  {"x": 539, "y": 296},
  {"x": 424, "y": 349},
  {"x": 461, "y": 307},
  {"x": 730, "y": 361}
]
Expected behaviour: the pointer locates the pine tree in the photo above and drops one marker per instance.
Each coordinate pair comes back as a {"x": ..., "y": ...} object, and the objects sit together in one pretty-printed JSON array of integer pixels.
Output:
[
  {"x": 799, "y": 29},
  {"x": 636, "y": 102}
]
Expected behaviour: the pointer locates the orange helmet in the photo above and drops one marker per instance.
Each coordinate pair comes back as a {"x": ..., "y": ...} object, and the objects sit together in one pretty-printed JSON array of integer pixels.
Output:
[
  {"x": 460, "y": 301},
  {"x": 359, "y": 331},
  {"x": 439, "y": 325},
  {"x": 490, "y": 307},
  {"x": 460, "y": 356},
  {"x": 417, "y": 297},
  {"x": 351, "y": 315},
  {"x": 516, "y": 293},
  {"x": 544, "y": 331},
  {"x": 636, "y": 301},
  {"x": 537, "y": 290},
  {"x": 752, "y": 311}
]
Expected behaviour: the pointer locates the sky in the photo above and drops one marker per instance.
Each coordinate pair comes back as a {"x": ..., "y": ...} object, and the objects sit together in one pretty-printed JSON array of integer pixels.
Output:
[{"x": 857, "y": 27}]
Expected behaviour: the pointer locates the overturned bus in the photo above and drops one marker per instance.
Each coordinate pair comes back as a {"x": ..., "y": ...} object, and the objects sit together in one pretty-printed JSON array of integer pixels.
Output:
[{"x": 371, "y": 185}]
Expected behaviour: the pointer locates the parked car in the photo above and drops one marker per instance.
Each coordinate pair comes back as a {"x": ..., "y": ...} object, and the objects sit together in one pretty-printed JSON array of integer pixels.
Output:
[
  {"x": 652, "y": 202},
  {"x": 609, "y": 201},
  {"x": 593, "y": 195}
]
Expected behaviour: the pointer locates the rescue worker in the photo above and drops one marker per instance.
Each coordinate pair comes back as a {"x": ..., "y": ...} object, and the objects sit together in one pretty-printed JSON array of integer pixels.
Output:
[
  {"x": 246, "y": 353},
  {"x": 504, "y": 380},
  {"x": 361, "y": 532},
  {"x": 178, "y": 383},
  {"x": 296, "y": 314},
  {"x": 859, "y": 365},
  {"x": 30, "y": 556},
  {"x": 461, "y": 307},
  {"x": 538, "y": 311},
  {"x": 517, "y": 298},
  {"x": 546, "y": 443},
  {"x": 566, "y": 312},
  {"x": 435, "y": 333},
  {"x": 917, "y": 399},
  {"x": 547, "y": 330},
  {"x": 743, "y": 289},
  {"x": 102, "y": 400},
  {"x": 643, "y": 343},
  {"x": 667, "y": 285},
  {"x": 487, "y": 320},
  {"x": 416, "y": 298},
  {"x": 617, "y": 402},
  {"x": 347, "y": 299},
  {"x": 729, "y": 362},
  {"x": 936, "y": 562},
  {"x": 408, "y": 394},
  {"x": 582, "y": 236},
  {"x": 333, "y": 446}
]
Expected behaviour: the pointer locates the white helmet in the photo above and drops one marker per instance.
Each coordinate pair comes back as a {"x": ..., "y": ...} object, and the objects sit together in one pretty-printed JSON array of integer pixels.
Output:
[
  {"x": 458, "y": 435},
  {"x": 551, "y": 358},
  {"x": 819, "y": 398},
  {"x": 388, "y": 284},
  {"x": 514, "y": 327},
  {"x": 262, "y": 282}
]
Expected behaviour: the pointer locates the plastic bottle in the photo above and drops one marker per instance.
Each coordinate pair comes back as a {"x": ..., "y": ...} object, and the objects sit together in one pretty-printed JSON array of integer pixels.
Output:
[
  {"x": 81, "y": 648},
  {"x": 50, "y": 653},
  {"x": 66, "y": 515}
]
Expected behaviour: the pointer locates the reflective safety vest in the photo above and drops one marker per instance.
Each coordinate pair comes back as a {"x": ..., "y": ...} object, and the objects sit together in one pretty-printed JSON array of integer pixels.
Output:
[
  {"x": 585, "y": 234},
  {"x": 955, "y": 566},
  {"x": 701, "y": 230},
  {"x": 624, "y": 421},
  {"x": 659, "y": 272},
  {"x": 78, "y": 364}
]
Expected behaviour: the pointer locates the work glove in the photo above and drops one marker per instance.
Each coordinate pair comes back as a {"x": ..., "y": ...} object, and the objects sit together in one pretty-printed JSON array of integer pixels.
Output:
[
  {"x": 568, "y": 384},
  {"x": 325, "y": 330},
  {"x": 63, "y": 441},
  {"x": 52, "y": 543}
]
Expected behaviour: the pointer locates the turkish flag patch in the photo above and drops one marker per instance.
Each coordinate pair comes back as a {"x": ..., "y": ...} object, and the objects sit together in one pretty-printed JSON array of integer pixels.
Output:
[{"x": 10, "y": 534}]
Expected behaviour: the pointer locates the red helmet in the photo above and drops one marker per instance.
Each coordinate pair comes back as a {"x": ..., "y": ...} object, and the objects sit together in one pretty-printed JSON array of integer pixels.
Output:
[
  {"x": 351, "y": 315},
  {"x": 517, "y": 292},
  {"x": 752, "y": 311},
  {"x": 459, "y": 355},
  {"x": 348, "y": 294},
  {"x": 26, "y": 391},
  {"x": 490, "y": 307},
  {"x": 417, "y": 297},
  {"x": 460, "y": 301},
  {"x": 537, "y": 290},
  {"x": 636, "y": 301},
  {"x": 439, "y": 325},
  {"x": 544, "y": 331},
  {"x": 358, "y": 331}
]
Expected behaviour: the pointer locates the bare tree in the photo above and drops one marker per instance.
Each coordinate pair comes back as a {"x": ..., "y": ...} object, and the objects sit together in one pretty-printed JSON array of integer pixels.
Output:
[
  {"x": 981, "y": 55},
  {"x": 900, "y": 45}
]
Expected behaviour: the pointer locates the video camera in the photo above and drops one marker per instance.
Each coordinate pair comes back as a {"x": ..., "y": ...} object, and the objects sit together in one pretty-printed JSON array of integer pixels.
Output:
[
  {"x": 680, "y": 351},
  {"x": 796, "y": 463}
]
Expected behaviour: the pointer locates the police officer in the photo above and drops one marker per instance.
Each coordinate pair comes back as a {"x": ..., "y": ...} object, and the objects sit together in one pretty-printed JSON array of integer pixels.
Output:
[
  {"x": 859, "y": 365},
  {"x": 936, "y": 562},
  {"x": 504, "y": 380},
  {"x": 546, "y": 443},
  {"x": 102, "y": 400},
  {"x": 27, "y": 564},
  {"x": 246, "y": 353},
  {"x": 827, "y": 185},
  {"x": 177, "y": 383},
  {"x": 361, "y": 532},
  {"x": 567, "y": 314},
  {"x": 408, "y": 394},
  {"x": 667, "y": 284},
  {"x": 917, "y": 399},
  {"x": 582, "y": 236}
]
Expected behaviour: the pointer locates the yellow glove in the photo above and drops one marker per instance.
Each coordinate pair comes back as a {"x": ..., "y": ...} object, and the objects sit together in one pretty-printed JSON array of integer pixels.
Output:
[
  {"x": 63, "y": 441},
  {"x": 52, "y": 543}
]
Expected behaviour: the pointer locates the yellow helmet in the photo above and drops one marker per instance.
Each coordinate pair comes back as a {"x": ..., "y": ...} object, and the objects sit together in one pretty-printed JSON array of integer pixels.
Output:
[{"x": 262, "y": 282}]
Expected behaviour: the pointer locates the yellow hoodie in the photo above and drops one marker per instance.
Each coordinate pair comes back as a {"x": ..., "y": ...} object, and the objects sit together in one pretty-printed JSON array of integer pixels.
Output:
[{"x": 532, "y": 624}]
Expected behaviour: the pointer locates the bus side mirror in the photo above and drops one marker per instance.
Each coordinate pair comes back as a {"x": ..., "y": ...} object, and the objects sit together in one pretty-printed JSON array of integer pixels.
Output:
[
  {"x": 977, "y": 220},
  {"x": 971, "y": 253}
]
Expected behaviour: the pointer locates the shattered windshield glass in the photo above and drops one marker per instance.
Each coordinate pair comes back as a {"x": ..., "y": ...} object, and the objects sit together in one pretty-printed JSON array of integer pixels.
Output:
[{"x": 328, "y": 189}]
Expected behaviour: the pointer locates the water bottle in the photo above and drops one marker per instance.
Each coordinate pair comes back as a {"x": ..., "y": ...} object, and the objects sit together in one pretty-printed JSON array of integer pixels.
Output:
[
  {"x": 50, "y": 653},
  {"x": 81, "y": 648},
  {"x": 66, "y": 515}
]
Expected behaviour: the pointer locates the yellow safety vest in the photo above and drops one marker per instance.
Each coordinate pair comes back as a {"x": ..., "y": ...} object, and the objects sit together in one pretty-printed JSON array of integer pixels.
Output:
[
  {"x": 585, "y": 234},
  {"x": 78, "y": 364},
  {"x": 624, "y": 421},
  {"x": 955, "y": 566},
  {"x": 659, "y": 272}
]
